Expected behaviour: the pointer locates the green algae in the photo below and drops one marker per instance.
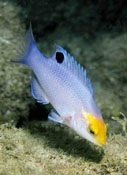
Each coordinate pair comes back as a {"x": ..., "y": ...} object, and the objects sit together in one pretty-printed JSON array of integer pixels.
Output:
[
  {"x": 13, "y": 84},
  {"x": 123, "y": 122},
  {"x": 40, "y": 151}
]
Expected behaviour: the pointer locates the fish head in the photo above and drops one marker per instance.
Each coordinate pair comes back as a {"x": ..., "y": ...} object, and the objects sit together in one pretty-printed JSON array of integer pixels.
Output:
[{"x": 95, "y": 129}]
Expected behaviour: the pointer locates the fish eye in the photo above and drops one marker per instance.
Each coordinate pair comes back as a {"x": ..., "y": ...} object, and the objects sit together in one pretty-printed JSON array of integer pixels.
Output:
[
  {"x": 59, "y": 57},
  {"x": 92, "y": 132}
]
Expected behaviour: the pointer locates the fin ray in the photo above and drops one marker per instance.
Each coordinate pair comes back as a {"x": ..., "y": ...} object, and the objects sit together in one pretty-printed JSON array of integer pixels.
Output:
[
  {"x": 37, "y": 91},
  {"x": 53, "y": 116},
  {"x": 23, "y": 55},
  {"x": 76, "y": 68}
]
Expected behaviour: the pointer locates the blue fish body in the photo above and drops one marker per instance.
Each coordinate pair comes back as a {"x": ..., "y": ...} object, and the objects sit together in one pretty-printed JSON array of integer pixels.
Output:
[{"x": 61, "y": 81}]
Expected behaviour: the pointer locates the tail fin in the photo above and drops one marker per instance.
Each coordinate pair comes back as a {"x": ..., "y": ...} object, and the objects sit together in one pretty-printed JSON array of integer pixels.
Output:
[{"x": 24, "y": 54}]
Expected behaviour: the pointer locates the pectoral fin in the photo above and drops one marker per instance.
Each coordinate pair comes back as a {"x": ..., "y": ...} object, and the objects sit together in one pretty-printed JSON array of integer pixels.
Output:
[
  {"x": 67, "y": 120},
  {"x": 54, "y": 116}
]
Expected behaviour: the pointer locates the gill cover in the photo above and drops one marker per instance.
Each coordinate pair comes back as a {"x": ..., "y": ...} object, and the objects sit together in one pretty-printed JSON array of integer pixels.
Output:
[{"x": 97, "y": 128}]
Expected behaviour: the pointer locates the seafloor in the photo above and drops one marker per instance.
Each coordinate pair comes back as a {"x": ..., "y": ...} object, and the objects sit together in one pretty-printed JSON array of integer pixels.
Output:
[{"x": 31, "y": 145}]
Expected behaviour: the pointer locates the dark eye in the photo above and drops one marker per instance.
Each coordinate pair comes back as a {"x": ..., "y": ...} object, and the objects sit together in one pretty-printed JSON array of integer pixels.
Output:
[
  {"x": 59, "y": 57},
  {"x": 92, "y": 132}
]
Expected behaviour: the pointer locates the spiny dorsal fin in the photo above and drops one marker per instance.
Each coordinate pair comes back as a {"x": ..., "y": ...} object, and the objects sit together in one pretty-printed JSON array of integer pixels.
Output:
[{"x": 76, "y": 68}]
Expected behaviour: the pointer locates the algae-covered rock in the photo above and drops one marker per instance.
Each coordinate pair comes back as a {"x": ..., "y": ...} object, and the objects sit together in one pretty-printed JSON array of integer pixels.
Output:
[
  {"x": 35, "y": 150},
  {"x": 108, "y": 67},
  {"x": 14, "y": 86}
]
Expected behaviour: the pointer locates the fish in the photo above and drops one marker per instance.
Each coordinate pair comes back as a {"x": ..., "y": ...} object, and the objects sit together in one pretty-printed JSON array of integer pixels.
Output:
[{"x": 61, "y": 81}]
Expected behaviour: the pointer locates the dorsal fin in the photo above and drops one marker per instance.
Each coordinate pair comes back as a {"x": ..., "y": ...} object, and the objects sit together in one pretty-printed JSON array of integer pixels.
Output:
[{"x": 76, "y": 68}]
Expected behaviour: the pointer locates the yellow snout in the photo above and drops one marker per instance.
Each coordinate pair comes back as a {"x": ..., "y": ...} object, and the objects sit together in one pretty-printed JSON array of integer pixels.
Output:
[{"x": 97, "y": 128}]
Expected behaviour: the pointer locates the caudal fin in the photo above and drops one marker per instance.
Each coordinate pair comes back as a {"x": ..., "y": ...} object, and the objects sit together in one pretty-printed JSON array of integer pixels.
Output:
[{"x": 24, "y": 53}]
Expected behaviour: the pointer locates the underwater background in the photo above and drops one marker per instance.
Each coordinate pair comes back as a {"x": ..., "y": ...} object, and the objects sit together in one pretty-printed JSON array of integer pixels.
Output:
[{"x": 95, "y": 33}]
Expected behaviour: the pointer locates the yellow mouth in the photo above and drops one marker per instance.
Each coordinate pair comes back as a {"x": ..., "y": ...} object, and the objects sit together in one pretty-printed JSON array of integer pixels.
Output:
[{"x": 98, "y": 128}]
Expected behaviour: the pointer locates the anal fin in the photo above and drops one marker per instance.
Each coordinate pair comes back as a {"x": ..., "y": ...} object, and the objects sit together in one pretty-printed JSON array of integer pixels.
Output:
[{"x": 37, "y": 91}]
